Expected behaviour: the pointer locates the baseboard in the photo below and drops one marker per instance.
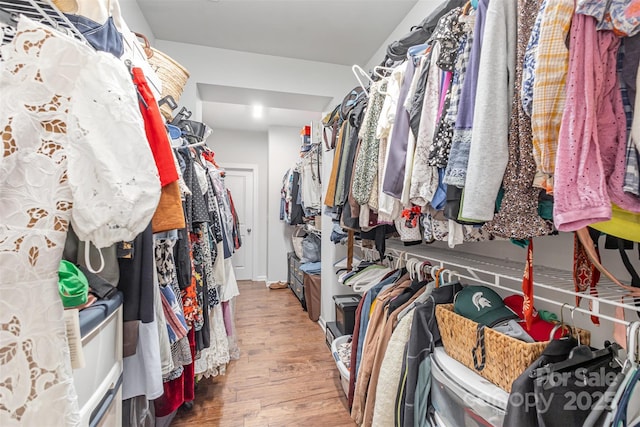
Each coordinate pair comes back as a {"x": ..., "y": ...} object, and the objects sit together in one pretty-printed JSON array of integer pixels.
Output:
[
  {"x": 322, "y": 324},
  {"x": 260, "y": 279}
]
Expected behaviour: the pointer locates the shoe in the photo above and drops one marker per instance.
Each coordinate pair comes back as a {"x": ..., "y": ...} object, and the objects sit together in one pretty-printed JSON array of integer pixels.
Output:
[{"x": 278, "y": 285}]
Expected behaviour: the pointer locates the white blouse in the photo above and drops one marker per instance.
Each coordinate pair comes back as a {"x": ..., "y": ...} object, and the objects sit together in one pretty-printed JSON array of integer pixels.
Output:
[{"x": 74, "y": 150}]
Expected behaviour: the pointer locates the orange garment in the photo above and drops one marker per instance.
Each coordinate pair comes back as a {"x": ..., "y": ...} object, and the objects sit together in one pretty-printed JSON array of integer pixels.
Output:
[
  {"x": 330, "y": 197},
  {"x": 169, "y": 214}
]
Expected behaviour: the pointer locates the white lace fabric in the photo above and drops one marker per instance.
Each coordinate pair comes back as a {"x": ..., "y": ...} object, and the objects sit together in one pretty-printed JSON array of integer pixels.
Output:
[{"x": 73, "y": 150}]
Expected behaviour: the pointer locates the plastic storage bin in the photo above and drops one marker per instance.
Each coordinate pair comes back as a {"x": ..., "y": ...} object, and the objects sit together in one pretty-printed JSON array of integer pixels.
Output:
[
  {"x": 331, "y": 333},
  {"x": 344, "y": 372},
  {"x": 346, "y": 306},
  {"x": 463, "y": 398}
]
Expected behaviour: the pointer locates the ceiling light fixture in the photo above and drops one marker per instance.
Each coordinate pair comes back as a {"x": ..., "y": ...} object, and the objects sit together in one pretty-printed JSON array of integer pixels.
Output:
[{"x": 257, "y": 111}]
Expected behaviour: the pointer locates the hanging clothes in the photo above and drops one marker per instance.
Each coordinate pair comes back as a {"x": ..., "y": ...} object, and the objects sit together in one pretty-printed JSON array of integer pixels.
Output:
[
  {"x": 40, "y": 169},
  {"x": 591, "y": 155},
  {"x": 391, "y": 370},
  {"x": 424, "y": 180},
  {"x": 396, "y": 159},
  {"x": 489, "y": 151},
  {"x": 456, "y": 171},
  {"x": 517, "y": 216},
  {"x": 552, "y": 61},
  {"x": 366, "y": 166}
]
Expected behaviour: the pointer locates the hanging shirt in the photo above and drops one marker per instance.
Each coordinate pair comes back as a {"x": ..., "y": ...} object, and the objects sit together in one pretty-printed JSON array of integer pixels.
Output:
[
  {"x": 388, "y": 207},
  {"x": 620, "y": 16},
  {"x": 530, "y": 61},
  {"x": 489, "y": 152},
  {"x": 424, "y": 180},
  {"x": 456, "y": 171},
  {"x": 552, "y": 62},
  {"x": 591, "y": 150},
  {"x": 396, "y": 160},
  {"x": 366, "y": 167}
]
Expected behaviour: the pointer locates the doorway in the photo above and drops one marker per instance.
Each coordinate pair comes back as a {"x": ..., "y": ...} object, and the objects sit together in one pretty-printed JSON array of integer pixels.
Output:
[{"x": 241, "y": 181}]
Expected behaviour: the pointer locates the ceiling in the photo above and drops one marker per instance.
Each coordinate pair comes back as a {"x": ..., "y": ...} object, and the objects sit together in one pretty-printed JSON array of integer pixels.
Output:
[
  {"x": 335, "y": 31},
  {"x": 343, "y": 32},
  {"x": 226, "y": 107}
]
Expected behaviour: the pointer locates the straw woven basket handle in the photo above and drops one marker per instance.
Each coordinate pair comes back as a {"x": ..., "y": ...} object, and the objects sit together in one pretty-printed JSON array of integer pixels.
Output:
[{"x": 147, "y": 46}]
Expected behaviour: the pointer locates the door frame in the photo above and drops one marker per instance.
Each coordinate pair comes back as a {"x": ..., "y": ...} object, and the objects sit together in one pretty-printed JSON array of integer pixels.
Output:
[{"x": 255, "y": 227}]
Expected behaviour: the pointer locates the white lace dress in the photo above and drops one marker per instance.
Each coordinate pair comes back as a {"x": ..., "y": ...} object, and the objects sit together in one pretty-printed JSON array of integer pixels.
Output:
[{"x": 68, "y": 119}]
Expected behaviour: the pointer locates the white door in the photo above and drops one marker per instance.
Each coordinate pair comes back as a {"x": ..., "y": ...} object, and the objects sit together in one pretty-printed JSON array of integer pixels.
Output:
[{"x": 240, "y": 182}]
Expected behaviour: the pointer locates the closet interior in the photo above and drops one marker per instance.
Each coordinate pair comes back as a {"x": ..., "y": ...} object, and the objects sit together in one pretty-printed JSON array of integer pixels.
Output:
[{"x": 460, "y": 218}]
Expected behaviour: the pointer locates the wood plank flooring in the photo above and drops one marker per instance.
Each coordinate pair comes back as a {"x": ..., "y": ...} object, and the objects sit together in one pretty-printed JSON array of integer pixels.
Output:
[{"x": 286, "y": 375}]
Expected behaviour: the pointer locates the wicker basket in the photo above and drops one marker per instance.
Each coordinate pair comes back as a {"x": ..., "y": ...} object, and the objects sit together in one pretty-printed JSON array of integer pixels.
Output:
[
  {"x": 173, "y": 76},
  {"x": 506, "y": 357}
]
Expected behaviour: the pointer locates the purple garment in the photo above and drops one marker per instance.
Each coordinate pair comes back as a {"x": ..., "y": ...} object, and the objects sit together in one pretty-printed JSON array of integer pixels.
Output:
[
  {"x": 397, "y": 160},
  {"x": 226, "y": 315},
  {"x": 468, "y": 97},
  {"x": 456, "y": 171}
]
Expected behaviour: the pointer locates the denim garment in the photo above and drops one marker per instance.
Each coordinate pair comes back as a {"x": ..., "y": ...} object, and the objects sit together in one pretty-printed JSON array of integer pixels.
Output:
[{"x": 103, "y": 37}]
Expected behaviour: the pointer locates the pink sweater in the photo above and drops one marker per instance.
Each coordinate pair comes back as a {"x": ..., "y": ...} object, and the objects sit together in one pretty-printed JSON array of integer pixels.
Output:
[{"x": 590, "y": 163}]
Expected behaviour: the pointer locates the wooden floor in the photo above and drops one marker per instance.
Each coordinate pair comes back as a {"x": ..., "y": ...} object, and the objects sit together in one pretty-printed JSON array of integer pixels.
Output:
[{"x": 286, "y": 375}]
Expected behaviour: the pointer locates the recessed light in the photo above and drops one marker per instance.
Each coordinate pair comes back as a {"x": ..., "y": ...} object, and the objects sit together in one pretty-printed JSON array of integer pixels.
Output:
[{"x": 257, "y": 111}]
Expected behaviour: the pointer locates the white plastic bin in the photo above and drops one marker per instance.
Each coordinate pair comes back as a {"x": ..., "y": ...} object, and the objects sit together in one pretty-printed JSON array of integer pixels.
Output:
[
  {"x": 344, "y": 372},
  {"x": 463, "y": 398}
]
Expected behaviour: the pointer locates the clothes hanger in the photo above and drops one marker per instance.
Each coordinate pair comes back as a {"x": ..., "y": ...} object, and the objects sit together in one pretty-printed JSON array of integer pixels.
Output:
[
  {"x": 450, "y": 274},
  {"x": 358, "y": 72},
  {"x": 422, "y": 298},
  {"x": 8, "y": 18},
  {"x": 578, "y": 356},
  {"x": 378, "y": 68},
  {"x": 411, "y": 268},
  {"x": 174, "y": 131},
  {"x": 424, "y": 270}
]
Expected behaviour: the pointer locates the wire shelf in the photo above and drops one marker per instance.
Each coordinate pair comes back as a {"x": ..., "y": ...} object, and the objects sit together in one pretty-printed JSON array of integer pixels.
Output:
[
  {"x": 41, "y": 11},
  {"x": 507, "y": 275}
]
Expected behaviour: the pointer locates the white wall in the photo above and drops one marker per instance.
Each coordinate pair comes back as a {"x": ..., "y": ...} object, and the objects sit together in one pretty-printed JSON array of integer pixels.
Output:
[
  {"x": 135, "y": 19},
  {"x": 420, "y": 10},
  {"x": 249, "y": 70},
  {"x": 252, "y": 148},
  {"x": 284, "y": 149}
]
